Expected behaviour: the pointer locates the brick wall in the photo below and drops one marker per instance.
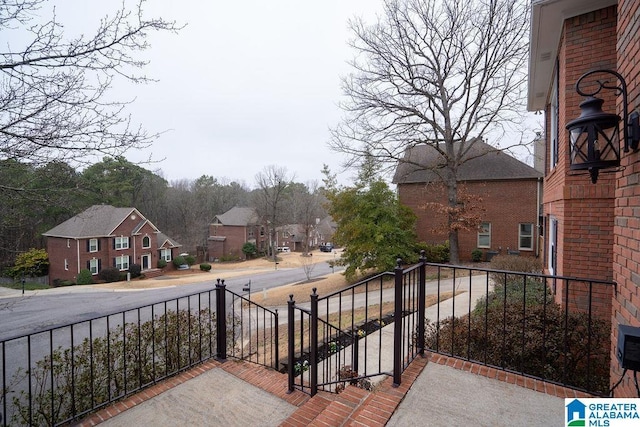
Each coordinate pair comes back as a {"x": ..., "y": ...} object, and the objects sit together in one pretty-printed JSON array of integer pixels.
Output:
[
  {"x": 626, "y": 249},
  {"x": 59, "y": 250},
  {"x": 506, "y": 204},
  {"x": 584, "y": 210}
]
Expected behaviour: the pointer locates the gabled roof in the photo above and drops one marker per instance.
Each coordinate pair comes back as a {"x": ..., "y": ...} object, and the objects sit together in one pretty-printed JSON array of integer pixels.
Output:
[
  {"x": 237, "y": 217},
  {"x": 97, "y": 221},
  {"x": 164, "y": 239},
  {"x": 486, "y": 163}
]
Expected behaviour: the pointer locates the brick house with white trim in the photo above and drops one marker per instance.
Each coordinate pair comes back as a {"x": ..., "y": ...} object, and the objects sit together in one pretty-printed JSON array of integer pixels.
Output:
[{"x": 106, "y": 236}]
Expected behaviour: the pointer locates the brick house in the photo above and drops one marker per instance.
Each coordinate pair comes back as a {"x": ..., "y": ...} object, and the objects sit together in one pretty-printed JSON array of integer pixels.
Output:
[
  {"x": 591, "y": 228},
  {"x": 293, "y": 235},
  {"x": 510, "y": 192},
  {"x": 105, "y": 236},
  {"x": 231, "y": 230}
]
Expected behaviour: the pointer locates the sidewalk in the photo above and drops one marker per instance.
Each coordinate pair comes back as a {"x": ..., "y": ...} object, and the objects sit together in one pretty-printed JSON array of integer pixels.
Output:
[{"x": 439, "y": 391}]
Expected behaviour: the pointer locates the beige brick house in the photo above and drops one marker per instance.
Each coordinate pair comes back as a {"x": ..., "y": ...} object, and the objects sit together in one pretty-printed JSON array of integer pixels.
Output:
[
  {"x": 509, "y": 189},
  {"x": 106, "y": 236}
]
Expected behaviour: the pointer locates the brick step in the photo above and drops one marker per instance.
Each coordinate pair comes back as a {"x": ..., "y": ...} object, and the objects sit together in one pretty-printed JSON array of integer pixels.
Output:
[{"x": 154, "y": 272}]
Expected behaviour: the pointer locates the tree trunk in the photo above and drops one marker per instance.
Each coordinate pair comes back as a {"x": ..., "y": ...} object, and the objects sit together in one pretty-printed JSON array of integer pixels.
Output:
[{"x": 452, "y": 196}]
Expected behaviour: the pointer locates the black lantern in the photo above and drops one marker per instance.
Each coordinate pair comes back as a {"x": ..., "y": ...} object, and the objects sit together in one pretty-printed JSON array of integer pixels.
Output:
[{"x": 594, "y": 136}]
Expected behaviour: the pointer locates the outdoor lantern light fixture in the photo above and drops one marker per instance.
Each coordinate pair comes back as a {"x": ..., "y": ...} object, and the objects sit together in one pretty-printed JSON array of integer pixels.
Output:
[{"x": 594, "y": 136}]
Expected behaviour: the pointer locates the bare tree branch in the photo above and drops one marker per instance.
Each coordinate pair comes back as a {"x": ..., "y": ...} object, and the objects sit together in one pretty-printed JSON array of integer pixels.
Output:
[
  {"x": 441, "y": 74},
  {"x": 54, "y": 91}
]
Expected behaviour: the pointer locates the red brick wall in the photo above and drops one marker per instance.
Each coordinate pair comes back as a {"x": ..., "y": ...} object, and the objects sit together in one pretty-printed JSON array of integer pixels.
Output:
[
  {"x": 506, "y": 204},
  {"x": 235, "y": 238},
  {"x": 626, "y": 249},
  {"x": 58, "y": 251},
  {"x": 584, "y": 210}
]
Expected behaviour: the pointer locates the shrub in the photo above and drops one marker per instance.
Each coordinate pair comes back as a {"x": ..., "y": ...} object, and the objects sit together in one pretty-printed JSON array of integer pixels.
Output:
[
  {"x": 84, "y": 277},
  {"x": 528, "y": 332},
  {"x": 33, "y": 263},
  {"x": 520, "y": 264},
  {"x": 476, "y": 255},
  {"x": 109, "y": 274},
  {"x": 190, "y": 259},
  {"x": 205, "y": 267},
  {"x": 162, "y": 263},
  {"x": 438, "y": 253},
  {"x": 249, "y": 249},
  {"x": 524, "y": 264},
  {"x": 178, "y": 261},
  {"x": 135, "y": 270},
  {"x": 230, "y": 257},
  {"x": 95, "y": 369},
  {"x": 59, "y": 283}
]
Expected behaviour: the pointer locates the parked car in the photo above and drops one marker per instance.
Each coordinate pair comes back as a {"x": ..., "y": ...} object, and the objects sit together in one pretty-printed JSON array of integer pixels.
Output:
[{"x": 327, "y": 247}]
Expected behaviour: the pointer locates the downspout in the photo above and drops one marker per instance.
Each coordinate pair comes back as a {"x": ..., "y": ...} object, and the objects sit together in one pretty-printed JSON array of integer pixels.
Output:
[
  {"x": 538, "y": 216},
  {"x": 78, "y": 255}
]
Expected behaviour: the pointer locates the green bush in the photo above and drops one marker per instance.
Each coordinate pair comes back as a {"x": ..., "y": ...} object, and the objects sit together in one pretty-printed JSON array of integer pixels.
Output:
[
  {"x": 190, "y": 259},
  {"x": 205, "y": 267},
  {"x": 249, "y": 249},
  {"x": 525, "y": 331},
  {"x": 95, "y": 369},
  {"x": 438, "y": 253},
  {"x": 84, "y": 277},
  {"x": 178, "y": 261},
  {"x": 57, "y": 283},
  {"x": 162, "y": 263},
  {"x": 109, "y": 274},
  {"x": 476, "y": 255},
  {"x": 135, "y": 270}
]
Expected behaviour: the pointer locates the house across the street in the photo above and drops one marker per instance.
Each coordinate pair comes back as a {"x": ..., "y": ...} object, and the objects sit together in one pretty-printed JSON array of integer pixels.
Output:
[{"x": 105, "y": 236}]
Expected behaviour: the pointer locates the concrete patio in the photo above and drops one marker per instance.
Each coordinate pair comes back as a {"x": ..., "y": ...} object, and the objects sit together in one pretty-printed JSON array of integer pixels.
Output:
[{"x": 435, "y": 391}]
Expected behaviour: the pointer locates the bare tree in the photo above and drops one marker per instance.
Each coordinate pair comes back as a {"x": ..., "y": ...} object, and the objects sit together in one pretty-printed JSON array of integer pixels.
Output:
[
  {"x": 55, "y": 98},
  {"x": 270, "y": 198},
  {"x": 306, "y": 201},
  {"x": 439, "y": 73}
]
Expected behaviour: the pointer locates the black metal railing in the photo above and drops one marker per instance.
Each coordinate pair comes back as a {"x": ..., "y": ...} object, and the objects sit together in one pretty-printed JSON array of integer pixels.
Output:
[
  {"x": 345, "y": 337},
  {"x": 551, "y": 328},
  {"x": 59, "y": 375}
]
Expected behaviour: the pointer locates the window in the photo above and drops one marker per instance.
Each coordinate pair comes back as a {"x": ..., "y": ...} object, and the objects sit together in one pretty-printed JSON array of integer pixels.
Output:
[
  {"x": 484, "y": 235},
  {"x": 66, "y": 264},
  {"x": 93, "y": 245},
  {"x": 525, "y": 237},
  {"x": 121, "y": 242},
  {"x": 68, "y": 243},
  {"x": 146, "y": 242},
  {"x": 553, "y": 122},
  {"x": 553, "y": 246},
  {"x": 165, "y": 254},
  {"x": 94, "y": 266},
  {"x": 122, "y": 262}
]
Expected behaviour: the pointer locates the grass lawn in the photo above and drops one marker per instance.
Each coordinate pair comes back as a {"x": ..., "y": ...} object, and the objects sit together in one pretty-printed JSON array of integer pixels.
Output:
[{"x": 28, "y": 286}]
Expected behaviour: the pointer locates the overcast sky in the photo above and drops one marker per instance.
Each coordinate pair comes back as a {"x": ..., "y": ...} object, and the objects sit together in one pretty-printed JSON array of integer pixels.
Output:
[{"x": 246, "y": 84}]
